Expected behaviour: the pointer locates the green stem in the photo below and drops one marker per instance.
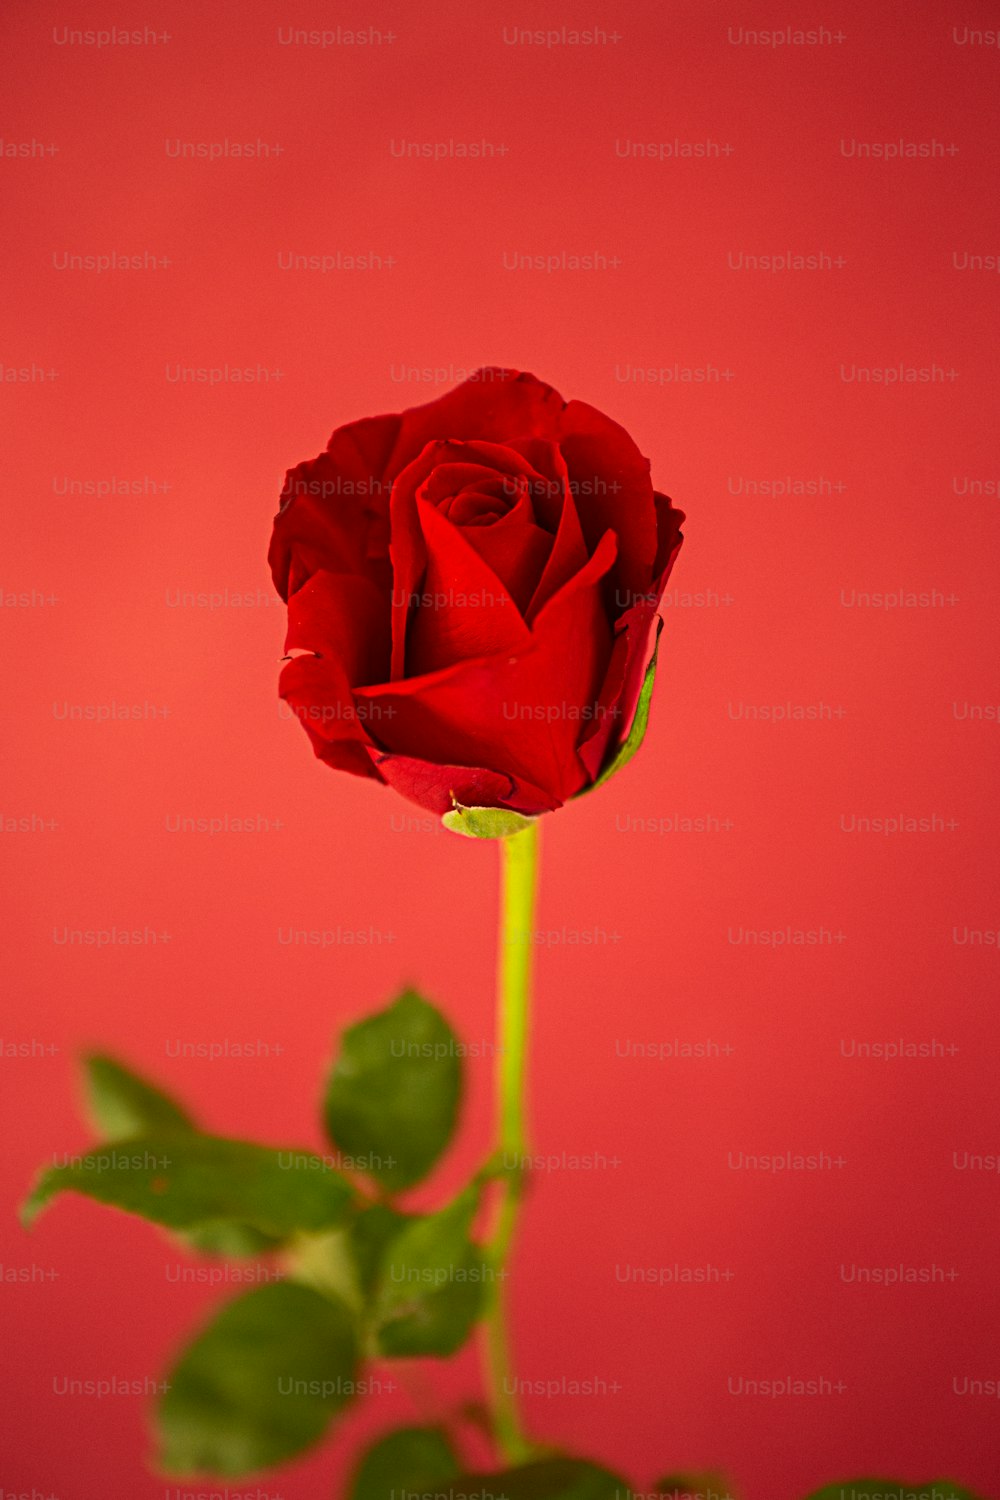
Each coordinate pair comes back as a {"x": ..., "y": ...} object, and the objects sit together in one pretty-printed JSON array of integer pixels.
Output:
[{"x": 519, "y": 859}]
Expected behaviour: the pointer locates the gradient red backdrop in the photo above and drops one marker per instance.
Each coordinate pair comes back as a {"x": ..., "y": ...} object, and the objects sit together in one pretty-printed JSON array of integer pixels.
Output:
[{"x": 828, "y": 659}]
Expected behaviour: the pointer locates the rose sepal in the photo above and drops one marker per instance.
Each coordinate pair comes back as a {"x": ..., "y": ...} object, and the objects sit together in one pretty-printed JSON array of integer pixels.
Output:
[{"x": 485, "y": 822}]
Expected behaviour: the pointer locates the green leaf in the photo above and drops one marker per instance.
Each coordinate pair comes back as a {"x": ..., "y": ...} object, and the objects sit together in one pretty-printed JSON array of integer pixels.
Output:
[
  {"x": 431, "y": 1284},
  {"x": 229, "y": 1241},
  {"x": 552, "y": 1479},
  {"x": 122, "y": 1104},
  {"x": 187, "y": 1181},
  {"x": 637, "y": 733},
  {"x": 370, "y": 1234},
  {"x": 410, "y": 1460},
  {"x": 894, "y": 1489},
  {"x": 393, "y": 1096},
  {"x": 259, "y": 1384},
  {"x": 485, "y": 822},
  {"x": 694, "y": 1487},
  {"x": 346, "y": 1260}
]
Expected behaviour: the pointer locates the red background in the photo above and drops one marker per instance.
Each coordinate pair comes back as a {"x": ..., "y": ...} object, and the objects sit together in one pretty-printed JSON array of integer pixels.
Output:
[{"x": 897, "y": 491}]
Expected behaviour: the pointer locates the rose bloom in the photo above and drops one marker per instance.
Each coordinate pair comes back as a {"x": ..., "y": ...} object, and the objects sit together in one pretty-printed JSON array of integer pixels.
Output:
[{"x": 472, "y": 590}]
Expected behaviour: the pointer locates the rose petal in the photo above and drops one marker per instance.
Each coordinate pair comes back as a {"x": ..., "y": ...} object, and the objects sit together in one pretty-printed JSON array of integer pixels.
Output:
[
  {"x": 567, "y": 557},
  {"x": 635, "y": 641},
  {"x": 407, "y": 548},
  {"x": 612, "y": 488},
  {"x": 523, "y": 710},
  {"x": 345, "y": 755},
  {"x": 344, "y": 617},
  {"x": 450, "y": 482},
  {"x": 344, "y": 620},
  {"x": 669, "y": 521},
  {"x": 334, "y": 508},
  {"x": 464, "y": 609},
  {"x": 552, "y": 483},
  {"x": 318, "y": 693},
  {"x": 492, "y": 405},
  {"x": 438, "y": 788},
  {"x": 515, "y": 549},
  {"x": 622, "y": 685},
  {"x": 447, "y": 453}
]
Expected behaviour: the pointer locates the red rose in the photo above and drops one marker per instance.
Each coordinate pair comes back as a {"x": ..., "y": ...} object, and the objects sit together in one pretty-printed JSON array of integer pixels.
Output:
[{"x": 472, "y": 589}]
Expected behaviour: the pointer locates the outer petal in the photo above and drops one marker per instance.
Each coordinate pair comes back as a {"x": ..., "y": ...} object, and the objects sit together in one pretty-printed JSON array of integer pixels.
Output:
[
  {"x": 611, "y": 484},
  {"x": 334, "y": 508},
  {"x": 669, "y": 521},
  {"x": 343, "y": 617},
  {"x": 341, "y": 622},
  {"x": 634, "y": 642},
  {"x": 492, "y": 405},
  {"x": 438, "y": 788},
  {"x": 317, "y": 692},
  {"x": 521, "y": 711}
]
